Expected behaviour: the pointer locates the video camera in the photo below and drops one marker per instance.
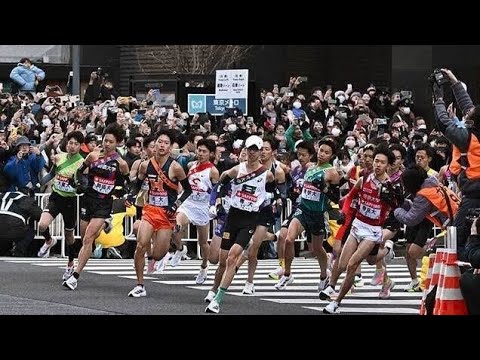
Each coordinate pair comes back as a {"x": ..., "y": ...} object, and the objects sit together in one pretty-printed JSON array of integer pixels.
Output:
[
  {"x": 391, "y": 193},
  {"x": 101, "y": 73},
  {"x": 439, "y": 77}
]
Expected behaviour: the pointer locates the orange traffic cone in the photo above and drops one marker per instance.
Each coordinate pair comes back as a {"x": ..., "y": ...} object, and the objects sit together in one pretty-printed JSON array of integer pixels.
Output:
[
  {"x": 430, "y": 290},
  {"x": 449, "y": 299},
  {"x": 431, "y": 261}
]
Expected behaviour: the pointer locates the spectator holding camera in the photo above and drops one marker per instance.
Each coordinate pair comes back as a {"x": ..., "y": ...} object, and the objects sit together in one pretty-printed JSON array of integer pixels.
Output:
[
  {"x": 22, "y": 169},
  {"x": 100, "y": 87},
  {"x": 465, "y": 162},
  {"x": 26, "y": 75}
]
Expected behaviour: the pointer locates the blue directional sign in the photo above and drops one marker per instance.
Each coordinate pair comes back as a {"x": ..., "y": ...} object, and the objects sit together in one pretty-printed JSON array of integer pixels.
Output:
[{"x": 201, "y": 103}]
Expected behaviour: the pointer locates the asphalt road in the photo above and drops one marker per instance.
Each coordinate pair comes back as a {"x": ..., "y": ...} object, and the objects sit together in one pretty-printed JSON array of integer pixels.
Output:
[{"x": 33, "y": 286}]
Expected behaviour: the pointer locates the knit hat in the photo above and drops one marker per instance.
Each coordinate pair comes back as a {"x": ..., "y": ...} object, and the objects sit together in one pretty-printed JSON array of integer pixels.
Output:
[{"x": 268, "y": 100}]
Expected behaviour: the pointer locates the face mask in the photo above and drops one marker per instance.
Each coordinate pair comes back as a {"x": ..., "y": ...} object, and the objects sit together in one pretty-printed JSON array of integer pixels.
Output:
[
  {"x": 349, "y": 143},
  {"x": 46, "y": 122},
  {"x": 406, "y": 110},
  {"x": 297, "y": 104},
  {"x": 424, "y": 127},
  {"x": 341, "y": 98},
  {"x": 432, "y": 143},
  {"x": 232, "y": 128},
  {"x": 361, "y": 142},
  {"x": 425, "y": 137},
  {"x": 336, "y": 132}
]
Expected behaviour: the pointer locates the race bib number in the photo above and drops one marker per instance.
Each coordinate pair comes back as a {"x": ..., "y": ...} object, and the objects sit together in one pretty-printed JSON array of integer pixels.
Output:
[
  {"x": 62, "y": 183},
  {"x": 246, "y": 200},
  {"x": 158, "y": 198},
  {"x": 370, "y": 212},
  {"x": 310, "y": 192},
  {"x": 199, "y": 196},
  {"x": 102, "y": 185}
]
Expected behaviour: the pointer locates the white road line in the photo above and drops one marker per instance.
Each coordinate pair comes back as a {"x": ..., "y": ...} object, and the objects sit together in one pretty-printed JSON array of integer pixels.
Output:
[
  {"x": 348, "y": 300},
  {"x": 370, "y": 310}
]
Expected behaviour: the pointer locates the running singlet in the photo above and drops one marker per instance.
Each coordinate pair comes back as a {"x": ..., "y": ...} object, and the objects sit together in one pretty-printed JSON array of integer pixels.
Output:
[
  {"x": 371, "y": 210},
  {"x": 313, "y": 198},
  {"x": 62, "y": 184},
  {"x": 297, "y": 176},
  {"x": 102, "y": 175},
  {"x": 199, "y": 179},
  {"x": 248, "y": 190},
  {"x": 159, "y": 193}
]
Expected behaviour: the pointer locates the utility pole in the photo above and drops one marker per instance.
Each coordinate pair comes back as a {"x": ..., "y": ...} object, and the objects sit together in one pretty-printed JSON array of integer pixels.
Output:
[{"x": 76, "y": 69}]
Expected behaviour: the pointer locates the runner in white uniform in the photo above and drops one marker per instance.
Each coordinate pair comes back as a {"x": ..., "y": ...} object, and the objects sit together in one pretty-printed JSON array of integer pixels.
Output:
[{"x": 202, "y": 176}]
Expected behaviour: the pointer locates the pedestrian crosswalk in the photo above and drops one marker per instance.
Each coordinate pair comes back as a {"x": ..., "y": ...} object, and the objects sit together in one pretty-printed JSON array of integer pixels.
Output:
[{"x": 302, "y": 292}]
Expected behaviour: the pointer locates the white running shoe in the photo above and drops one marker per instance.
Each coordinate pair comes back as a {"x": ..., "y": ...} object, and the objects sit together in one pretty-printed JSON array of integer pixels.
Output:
[
  {"x": 44, "y": 251},
  {"x": 71, "y": 283},
  {"x": 202, "y": 276},
  {"x": 213, "y": 307},
  {"x": 391, "y": 254},
  {"x": 210, "y": 296},
  {"x": 283, "y": 282},
  {"x": 68, "y": 272},
  {"x": 331, "y": 308},
  {"x": 326, "y": 293},
  {"x": 322, "y": 284},
  {"x": 248, "y": 289},
  {"x": 162, "y": 264},
  {"x": 358, "y": 282},
  {"x": 277, "y": 273},
  {"x": 138, "y": 291},
  {"x": 413, "y": 286},
  {"x": 177, "y": 257}
]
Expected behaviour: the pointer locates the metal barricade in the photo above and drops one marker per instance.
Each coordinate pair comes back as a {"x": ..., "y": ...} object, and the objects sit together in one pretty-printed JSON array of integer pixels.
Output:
[{"x": 57, "y": 228}]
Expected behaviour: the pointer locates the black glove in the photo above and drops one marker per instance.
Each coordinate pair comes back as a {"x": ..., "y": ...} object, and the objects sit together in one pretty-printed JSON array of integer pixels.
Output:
[
  {"x": 341, "y": 219},
  {"x": 437, "y": 91},
  {"x": 220, "y": 209}
]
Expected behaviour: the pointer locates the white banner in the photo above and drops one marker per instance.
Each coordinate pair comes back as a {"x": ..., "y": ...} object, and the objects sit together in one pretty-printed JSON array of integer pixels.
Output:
[{"x": 231, "y": 84}]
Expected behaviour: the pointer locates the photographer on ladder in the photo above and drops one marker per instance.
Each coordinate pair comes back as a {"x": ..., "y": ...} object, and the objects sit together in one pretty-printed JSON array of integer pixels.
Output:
[{"x": 465, "y": 162}]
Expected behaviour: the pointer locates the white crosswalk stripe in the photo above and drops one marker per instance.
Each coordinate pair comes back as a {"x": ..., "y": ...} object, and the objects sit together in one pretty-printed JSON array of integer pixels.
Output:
[{"x": 302, "y": 292}]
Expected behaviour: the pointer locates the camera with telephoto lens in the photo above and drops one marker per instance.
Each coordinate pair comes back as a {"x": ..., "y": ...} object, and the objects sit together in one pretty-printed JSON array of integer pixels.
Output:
[
  {"x": 101, "y": 73},
  {"x": 391, "y": 193},
  {"x": 439, "y": 77}
]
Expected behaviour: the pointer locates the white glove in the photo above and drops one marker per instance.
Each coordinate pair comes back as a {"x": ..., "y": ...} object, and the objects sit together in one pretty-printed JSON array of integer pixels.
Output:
[{"x": 212, "y": 211}]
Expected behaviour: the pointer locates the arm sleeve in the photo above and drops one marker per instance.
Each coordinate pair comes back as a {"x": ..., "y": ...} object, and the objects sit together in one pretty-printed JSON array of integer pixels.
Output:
[
  {"x": 187, "y": 190},
  {"x": 222, "y": 188},
  {"x": 79, "y": 176},
  {"x": 213, "y": 194}
]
